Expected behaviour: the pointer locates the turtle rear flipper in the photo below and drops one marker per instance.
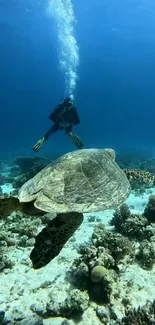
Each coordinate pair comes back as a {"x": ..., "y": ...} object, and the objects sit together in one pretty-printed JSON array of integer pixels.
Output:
[{"x": 52, "y": 238}]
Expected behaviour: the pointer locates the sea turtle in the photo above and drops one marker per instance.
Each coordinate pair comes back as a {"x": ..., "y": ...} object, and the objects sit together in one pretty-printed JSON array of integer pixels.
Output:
[{"x": 87, "y": 180}]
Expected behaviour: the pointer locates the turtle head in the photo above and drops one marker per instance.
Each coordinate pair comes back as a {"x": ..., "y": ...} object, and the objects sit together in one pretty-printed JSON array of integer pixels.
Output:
[{"x": 28, "y": 192}]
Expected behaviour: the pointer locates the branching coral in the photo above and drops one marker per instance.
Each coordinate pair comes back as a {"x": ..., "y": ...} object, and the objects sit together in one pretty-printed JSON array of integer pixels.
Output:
[{"x": 142, "y": 316}]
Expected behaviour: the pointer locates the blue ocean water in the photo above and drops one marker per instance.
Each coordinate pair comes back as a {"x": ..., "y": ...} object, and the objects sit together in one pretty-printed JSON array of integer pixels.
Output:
[{"x": 100, "y": 51}]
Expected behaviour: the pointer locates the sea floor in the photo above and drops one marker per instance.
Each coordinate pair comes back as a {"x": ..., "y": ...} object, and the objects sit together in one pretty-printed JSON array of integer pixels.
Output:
[{"x": 22, "y": 287}]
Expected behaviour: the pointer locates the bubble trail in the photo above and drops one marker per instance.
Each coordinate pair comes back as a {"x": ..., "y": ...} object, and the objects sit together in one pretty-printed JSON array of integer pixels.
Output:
[{"x": 63, "y": 13}]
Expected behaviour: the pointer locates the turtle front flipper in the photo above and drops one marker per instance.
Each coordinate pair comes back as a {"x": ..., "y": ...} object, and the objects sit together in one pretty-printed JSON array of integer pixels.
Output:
[{"x": 52, "y": 238}]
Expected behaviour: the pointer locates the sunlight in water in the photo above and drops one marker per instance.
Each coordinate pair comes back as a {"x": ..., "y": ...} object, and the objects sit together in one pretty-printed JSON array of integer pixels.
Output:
[{"x": 62, "y": 12}]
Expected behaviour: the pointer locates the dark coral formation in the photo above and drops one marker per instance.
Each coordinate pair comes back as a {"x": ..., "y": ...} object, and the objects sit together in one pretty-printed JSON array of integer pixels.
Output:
[
  {"x": 26, "y": 164},
  {"x": 131, "y": 225},
  {"x": 3, "y": 320},
  {"x": 5, "y": 179},
  {"x": 9, "y": 204},
  {"x": 138, "y": 228},
  {"x": 149, "y": 211}
]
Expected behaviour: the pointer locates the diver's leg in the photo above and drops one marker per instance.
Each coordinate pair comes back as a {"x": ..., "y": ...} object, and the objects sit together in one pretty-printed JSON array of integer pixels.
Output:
[{"x": 53, "y": 129}]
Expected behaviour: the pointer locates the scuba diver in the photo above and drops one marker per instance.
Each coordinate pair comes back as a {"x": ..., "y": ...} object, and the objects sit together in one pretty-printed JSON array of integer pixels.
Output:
[{"x": 64, "y": 118}]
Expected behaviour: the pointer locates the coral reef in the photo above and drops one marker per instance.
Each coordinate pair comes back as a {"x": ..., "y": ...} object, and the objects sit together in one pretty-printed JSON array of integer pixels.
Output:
[
  {"x": 149, "y": 211},
  {"x": 118, "y": 245},
  {"x": 139, "y": 175},
  {"x": 5, "y": 262},
  {"x": 142, "y": 316},
  {"x": 28, "y": 167},
  {"x": 29, "y": 320},
  {"x": 140, "y": 164},
  {"x": 137, "y": 160},
  {"x": 131, "y": 225},
  {"x": 96, "y": 270},
  {"x": 5, "y": 179},
  {"x": 140, "y": 180},
  {"x": 75, "y": 302},
  {"x": 19, "y": 229},
  {"x": 27, "y": 164},
  {"x": 146, "y": 254},
  {"x": 138, "y": 228}
]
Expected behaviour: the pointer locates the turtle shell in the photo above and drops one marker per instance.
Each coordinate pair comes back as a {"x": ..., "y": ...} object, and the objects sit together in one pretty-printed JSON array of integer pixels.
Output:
[{"x": 85, "y": 180}]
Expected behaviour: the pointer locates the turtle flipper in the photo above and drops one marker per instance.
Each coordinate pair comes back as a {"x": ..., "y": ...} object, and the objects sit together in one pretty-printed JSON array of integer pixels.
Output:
[{"x": 52, "y": 238}]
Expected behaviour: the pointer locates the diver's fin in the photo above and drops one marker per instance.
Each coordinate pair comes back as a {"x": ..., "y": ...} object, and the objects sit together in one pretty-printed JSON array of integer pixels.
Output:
[
  {"x": 52, "y": 238},
  {"x": 77, "y": 141}
]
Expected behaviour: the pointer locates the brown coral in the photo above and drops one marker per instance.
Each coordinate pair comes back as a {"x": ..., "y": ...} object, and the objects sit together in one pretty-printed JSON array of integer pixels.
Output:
[
  {"x": 140, "y": 175},
  {"x": 142, "y": 316}
]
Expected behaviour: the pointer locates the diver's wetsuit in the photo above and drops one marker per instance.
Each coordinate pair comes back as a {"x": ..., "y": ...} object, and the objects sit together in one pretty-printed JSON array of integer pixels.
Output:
[{"x": 64, "y": 118}]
